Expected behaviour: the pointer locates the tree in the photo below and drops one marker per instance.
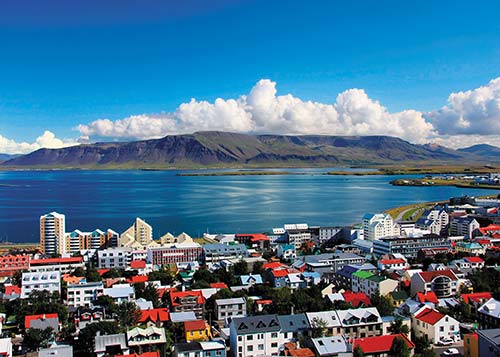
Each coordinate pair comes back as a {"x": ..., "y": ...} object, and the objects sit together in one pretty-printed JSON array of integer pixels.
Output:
[
  {"x": 107, "y": 302},
  {"x": 399, "y": 348},
  {"x": 151, "y": 294},
  {"x": 92, "y": 275},
  {"x": 383, "y": 304},
  {"x": 78, "y": 272},
  {"x": 319, "y": 327},
  {"x": 112, "y": 273},
  {"x": 358, "y": 352},
  {"x": 86, "y": 337},
  {"x": 127, "y": 314},
  {"x": 164, "y": 276},
  {"x": 398, "y": 327},
  {"x": 257, "y": 268},
  {"x": 36, "y": 338},
  {"x": 240, "y": 268}
]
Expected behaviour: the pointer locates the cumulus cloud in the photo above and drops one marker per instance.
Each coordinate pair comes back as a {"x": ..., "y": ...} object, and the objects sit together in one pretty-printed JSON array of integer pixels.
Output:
[
  {"x": 46, "y": 140},
  {"x": 475, "y": 112},
  {"x": 263, "y": 111}
]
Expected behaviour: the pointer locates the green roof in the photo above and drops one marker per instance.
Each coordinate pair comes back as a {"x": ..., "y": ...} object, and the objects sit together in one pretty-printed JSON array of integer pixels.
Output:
[
  {"x": 362, "y": 274},
  {"x": 377, "y": 278},
  {"x": 399, "y": 295}
]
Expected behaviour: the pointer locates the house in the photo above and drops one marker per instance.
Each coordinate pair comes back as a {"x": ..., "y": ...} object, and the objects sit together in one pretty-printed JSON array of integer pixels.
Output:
[
  {"x": 55, "y": 350},
  {"x": 360, "y": 323},
  {"x": 257, "y": 335},
  {"x": 392, "y": 264},
  {"x": 434, "y": 324},
  {"x": 5, "y": 347},
  {"x": 253, "y": 240},
  {"x": 328, "y": 320},
  {"x": 120, "y": 293},
  {"x": 87, "y": 315},
  {"x": 472, "y": 248},
  {"x": 295, "y": 324},
  {"x": 286, "y": 251},
  {"x": 142, "y": 340},
  {"x": 213, "y": 348},
  {"x": 252, "y": 279},
  {"x": 398, "y": 297},
  {"x": 39, "y": 281},
  {"x": 197, "y": 330},
  {"x": 380, "y": 345},
  {"x": 181, "y": 317},
  {"x": 227, "y": 308},
  {"x": 157, "y": 317},
  {"x": 475, "y": 262},
  {"x": 214, "y": 253},
  {"x": 444, "y": 283},
  {"x": 489, "y": 314},
  {"x": 181, "y": 301},
  {"x": 110, "y": 345},
  {"x": 356, "y": 299},
  {"x": 42, "y": 321},
  {"x": 368, "y": 283}
]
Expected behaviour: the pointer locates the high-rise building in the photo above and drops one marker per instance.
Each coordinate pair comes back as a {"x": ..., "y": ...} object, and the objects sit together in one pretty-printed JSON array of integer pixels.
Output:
[
  {"x": 140, "y": 234},
  {"x": 52, "y": 231}
]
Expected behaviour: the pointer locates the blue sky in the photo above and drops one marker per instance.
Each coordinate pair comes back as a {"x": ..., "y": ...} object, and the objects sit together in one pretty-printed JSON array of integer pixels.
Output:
[{"x": 69, "y": 63}]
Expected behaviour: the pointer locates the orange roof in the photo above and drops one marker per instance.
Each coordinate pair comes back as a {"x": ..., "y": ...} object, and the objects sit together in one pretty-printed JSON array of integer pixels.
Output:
[
  {"x": 254, "y": 237},
  {"x": 280, "y": 273},
  {"x": 430, "y": 316},
  {"x": 154, "y": 315},
  {"x": 428, "y": 276},
  {"x": 474, "y": 260},
  {"x": 427, "y": 297},
  {"x": 12, "y": 289},
  {"x": 49, "y": 261},
  {"x": 102, "y": 271},
  {"x": 476, "y": 297},
  {"x": 72, "y": 279},
  {"x": 137, "y": 264},
  {"x": 162, "y": 291},
  {"x": 29, "y": 318},
  {"x": 273, "y": 265},
  {"x": 219, "y": 285},
  {"x": 379, "y": 344},
  {"x": 300, "y": 352},
  {"x": 490, "y": 228},
  {"x": 138, "y": 279},
  {"x": 175, "y": 295},
  {"x": 196, "y": 325}
]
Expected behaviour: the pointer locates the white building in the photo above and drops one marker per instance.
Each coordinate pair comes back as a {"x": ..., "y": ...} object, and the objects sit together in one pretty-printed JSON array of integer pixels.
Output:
[
  {"x": 376, "y": 226},
  {"x": 327, "y": 233},
  {"x": 444, "y": 283},
  {"x": 229, "y": 308},
  {"x": 120, "y": 293},
  {"x": 83, "y": 294},
  {"x": 118, "y": 258},
  {"x": 437, "y": 326},
  {"x": 50, "y": 281}
]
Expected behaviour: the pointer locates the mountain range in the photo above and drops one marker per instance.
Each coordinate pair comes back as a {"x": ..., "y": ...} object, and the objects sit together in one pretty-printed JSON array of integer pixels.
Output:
[{"x": 223, "y": 149}]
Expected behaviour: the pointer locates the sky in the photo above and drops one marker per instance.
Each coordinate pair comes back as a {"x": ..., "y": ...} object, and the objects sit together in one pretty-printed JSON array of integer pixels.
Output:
[{"x": 85, "y": 71}]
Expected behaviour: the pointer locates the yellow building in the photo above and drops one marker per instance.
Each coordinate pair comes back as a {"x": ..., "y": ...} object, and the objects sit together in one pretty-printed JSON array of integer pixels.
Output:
[
  {"x": 197, "y": 330},
  {"x": 471, "y": 347}
]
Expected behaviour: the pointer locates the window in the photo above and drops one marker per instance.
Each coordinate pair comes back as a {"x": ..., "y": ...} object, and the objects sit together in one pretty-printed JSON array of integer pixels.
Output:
[
  {"x": 274, "y": 335},
  {"x": 250, "y": 338},
  {"x": 261, "y": 347},
  {"x": 274, "y": 345},
  {"x": 250, "y": 348},
  {"x": 441, "y": 328}
]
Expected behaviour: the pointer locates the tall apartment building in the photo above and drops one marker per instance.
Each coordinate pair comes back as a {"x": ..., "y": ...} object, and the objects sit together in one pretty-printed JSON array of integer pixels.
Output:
[
  {"x": 138, "y": 235},
  {"x": 78, "y": 240},
  {"x": 52, "y": 231},
  {"x": 376, "y": 226}
]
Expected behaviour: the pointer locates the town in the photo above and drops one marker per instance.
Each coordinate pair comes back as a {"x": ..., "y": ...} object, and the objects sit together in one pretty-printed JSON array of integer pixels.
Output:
[{"x": 422, "y": 283}]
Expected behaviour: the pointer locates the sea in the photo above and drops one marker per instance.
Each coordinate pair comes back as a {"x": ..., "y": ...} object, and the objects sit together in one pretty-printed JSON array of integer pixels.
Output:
[{"x": 199, "y": 204}]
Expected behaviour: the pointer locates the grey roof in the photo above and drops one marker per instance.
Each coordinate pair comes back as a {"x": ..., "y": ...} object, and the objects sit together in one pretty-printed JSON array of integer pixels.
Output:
[
  {"x": 225, "y": 249},
  {"x": 492, "y": 335},
  {"x": 57, "y": 350},
  {"x": 256, "y": 324},
  {"x": 188, "y": 347},
  {"x": 330, "y": 256},
  {"x": 293, "y": 323},
  {"x": 44, "y": 323},
  {"x": 182, "y": 316},
  {"x": 101, "y": 341},
  {"x": 329, "y": 346},
  {"x": 239, "y": 300}
]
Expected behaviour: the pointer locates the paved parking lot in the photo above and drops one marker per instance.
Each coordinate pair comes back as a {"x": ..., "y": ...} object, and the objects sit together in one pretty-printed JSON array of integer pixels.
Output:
[{"x": 458, "y": 345}]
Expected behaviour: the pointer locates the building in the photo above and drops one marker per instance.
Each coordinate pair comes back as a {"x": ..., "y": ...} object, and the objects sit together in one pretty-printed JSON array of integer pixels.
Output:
[
  {"x": 472, "y": 248},
  {"x": 215, "y": 252},
  {"x": 9, "y": 264},
  {"x": 331, "y": 346},
  {"x": 213, "y": 348},
  {"x": 169, "y": 238},
  {"x": 176, "y": 253},
  {"x": 463, "y": 226},
  {"x": 332, "y": 261},
  {"x": 298, "y": 234},
  {"x": 435, "y": 325},
  {"x": 435, "y": 220},
  {"x": 197, "y": 330},
  {"x": 83, "y": 294},
  {"x": 147, "y": 339},
  {"x": 117, "y": 258},
  {"x": 253, "y": 240},
  {"x": 370, "y": 284},
  {"x": 327, "y": 233},
  {"x": 471, "y": 345},
  {"x": 42, "y": 321},
  {"x": 77, "y": 240},
  {"x": 138, "y": 235},
  {"x": 50, "y": 281},
  {"x": 488, "y": 342},
  {"x": 489, "y": 314},
  {"x": 182, "y": 301},
  {"x": 376, "y": 226},
  {"x": 228, "y": 308},
  {"x": 393, "y": 264},
  {"x": 444, "y": 283},
  {"x": 343, "y": 277},
  {"x": 120, "y": 293},
  {"x": 257, "y": 336},
  {"x": 360, "y": 323},
  {"x": 408, "y": 246},
  {"x": 56, "y": 350},
  {"x": 62, "y": 265},
  {"x": 380, "y": 345},
  {"x": 110, "y": 345},
  {"x": 286, "y": 251},
  {"x": 52, "y": 230}
]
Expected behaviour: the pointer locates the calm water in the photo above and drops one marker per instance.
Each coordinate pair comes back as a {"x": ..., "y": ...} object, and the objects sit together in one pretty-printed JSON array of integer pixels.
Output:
[{"x": 112, "y": 199}]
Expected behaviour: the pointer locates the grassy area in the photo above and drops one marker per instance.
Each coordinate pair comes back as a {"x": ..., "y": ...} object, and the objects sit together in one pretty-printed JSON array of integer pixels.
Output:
[
  {"x": 407, "y": 211},
  {"x": 5, "y": 247}
]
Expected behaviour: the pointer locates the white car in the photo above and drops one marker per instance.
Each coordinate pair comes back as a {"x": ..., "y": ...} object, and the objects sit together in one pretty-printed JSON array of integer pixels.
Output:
[
  {"x": 445, "y": 341},
  {"x": 451, "y": 352}
]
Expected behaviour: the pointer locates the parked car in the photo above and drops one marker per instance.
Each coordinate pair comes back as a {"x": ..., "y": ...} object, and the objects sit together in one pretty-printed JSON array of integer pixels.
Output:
[
  {"x": 451, "y": 352},
  {"x": 445, "y": 341}
]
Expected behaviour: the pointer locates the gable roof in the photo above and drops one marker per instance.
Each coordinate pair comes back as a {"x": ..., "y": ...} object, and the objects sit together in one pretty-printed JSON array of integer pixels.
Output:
[
  {"x": 293, "y": 323},
  {"x": 430, "y": 316},
  {"x": 429, "y": 276},
  {"x": 256, "y": 324},
  {"x": 154, "y": 315},
  {"x": 196, "y": 325},
  {"x": 474, "y": 259},
  {"x": 176, "y": 295},
  {"x": 219, "y": 285},
  {"x": 379, "y": 344},
  {"x": 427, "y": 297}
]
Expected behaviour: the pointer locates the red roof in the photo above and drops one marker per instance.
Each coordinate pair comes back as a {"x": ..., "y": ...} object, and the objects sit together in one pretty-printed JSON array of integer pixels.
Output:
[
  {"x": 154, "y": 315},
  {"x": 476, "y": 297},
  {"x": 474, "y": 260},
  {"x": 101, "y": 272},
  {"x": 300, "y": 352},
  {"x": 280, "y": 273},
  {"x": 137, "y": 264},
  {"x": 254, "y": 237},
  {"x": 483, "y": 241},
  {"x": 264, "y": 302},
  {"x": 356, "y": 299},
  {"x": 427, "y": 297},
  {"x": 379, "y": 344},
  {"x": 430, "y": 316},
  {"x": 490, "y": 228},
  {"x": 12, "y": 289},
  {"x": 392, "y": 261},
  {"x": 162, "y": 291},
  {"x": 273, "y": 265},
  {"x": 145, "y": 354},
  {"x": 428, "y": 276},
  {"x": 219, "y": 285},
  {"x": 138, "y": 279},
  {"x": 49, "y": 261},
  {"x": 29, "y": 318},
  {"x": 175, "y": 295},
  {"x": 196, "y": 325}
]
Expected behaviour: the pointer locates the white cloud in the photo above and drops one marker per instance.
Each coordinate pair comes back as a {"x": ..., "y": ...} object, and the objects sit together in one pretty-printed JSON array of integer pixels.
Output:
[
  {"x": 474, "y": 112},
  {"x": 46, "y": 140},
  {"x": 263, "y": 111}
]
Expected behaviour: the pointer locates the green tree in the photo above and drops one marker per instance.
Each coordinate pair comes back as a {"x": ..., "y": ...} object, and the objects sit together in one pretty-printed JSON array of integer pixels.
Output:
[
  {"x": 383, "y": 304},
  {"x": 78, "y": 272},
  {"x": 92, "y": 275},
  {"x": 127, "y": 314},
  {"x": 399, "y": 348},
  {"x": 319, "y": 327},
  {"x": 86, "y": 337},
  {"x": 398, "y": 327},
  {"x": 112, "y": 273},
  {"x": 107, "y": 302},
  {"x": 166, "y": 277},
  {"x": 257, "y": 268},
  {"x": 151, "y": 294},
  {"x": 358, "y": 352},
  {"x": 240, "y": 268},
  {"x": 36, "y": 338}
]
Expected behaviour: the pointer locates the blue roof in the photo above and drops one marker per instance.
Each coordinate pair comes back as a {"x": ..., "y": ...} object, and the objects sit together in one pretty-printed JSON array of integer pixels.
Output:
[{"x": 245, "y": 279}]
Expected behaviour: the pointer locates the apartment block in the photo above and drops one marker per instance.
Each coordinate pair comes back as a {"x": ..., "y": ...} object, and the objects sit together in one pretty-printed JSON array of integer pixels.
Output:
[{"x": 52, "y": 231}]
